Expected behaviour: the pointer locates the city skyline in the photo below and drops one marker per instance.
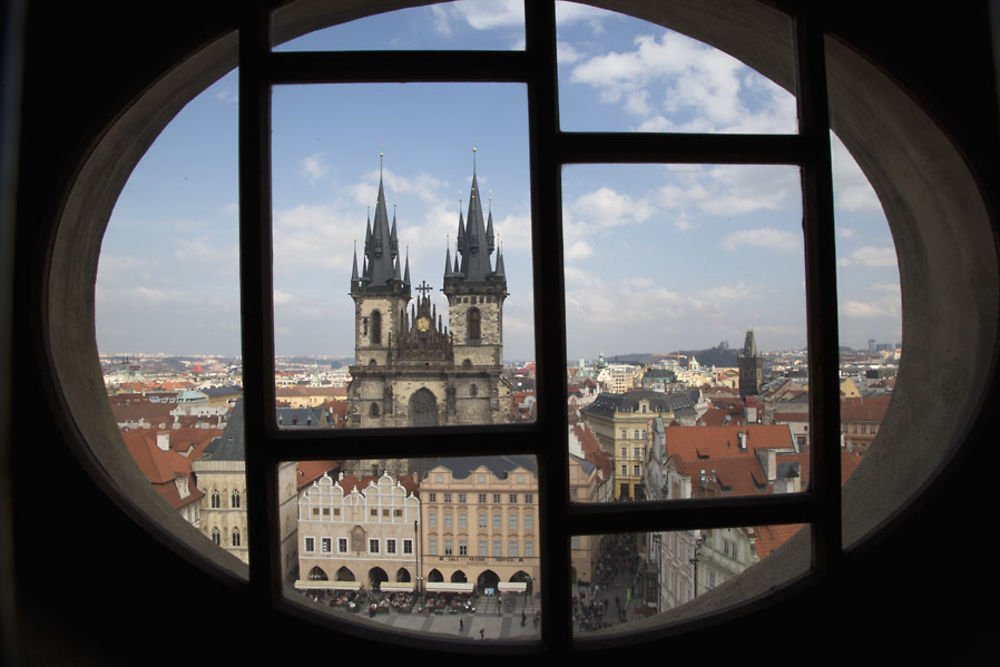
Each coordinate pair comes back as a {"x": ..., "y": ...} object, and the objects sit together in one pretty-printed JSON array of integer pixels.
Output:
[{"x": 703, "y": 252}]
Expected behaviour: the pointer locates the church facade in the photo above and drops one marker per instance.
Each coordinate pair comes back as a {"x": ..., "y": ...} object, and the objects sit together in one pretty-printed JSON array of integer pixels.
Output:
[{"x": 415, "y": 366}]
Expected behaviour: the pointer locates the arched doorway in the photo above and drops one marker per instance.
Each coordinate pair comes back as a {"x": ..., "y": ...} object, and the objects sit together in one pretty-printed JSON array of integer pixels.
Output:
[
  {"x": 423, "y": 408},
  {"x": 317, "y": 574},
  {"x": 344, "y": 574},
  {"x": 458, "y": 577},
  {"x": 487, "y": 580},
  {"x": 522, "y": 577},
  {"x": 403, "y": 575},
  {"x": 376, "y": 576},
  {"x": 435, "y": 576}
]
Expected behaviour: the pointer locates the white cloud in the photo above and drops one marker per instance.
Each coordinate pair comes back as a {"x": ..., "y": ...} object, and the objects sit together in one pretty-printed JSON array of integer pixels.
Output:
[
  {"x": 730, "y": 190},
  {"x": 870, "y": 256},
  {"x": 313, "y": 168},
  {"x": 676, "y": 83},
  {"x": 578, "y": 250},
  {"x": 763, "y": 237},
  {"x": 566, "y": 53},
  {"x": 480, "y": 15},
  {"x": 601, "y": 209},
  {"x": 205, "y": 251}
]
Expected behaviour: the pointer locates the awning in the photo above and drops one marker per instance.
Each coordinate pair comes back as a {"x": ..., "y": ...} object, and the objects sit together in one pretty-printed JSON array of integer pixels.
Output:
[
  {"x": 396, "y": 586},
  {"x": 513, "y": 586},
  {"x": 322, "y": 584},
  {"x": 449, "y": 587}
]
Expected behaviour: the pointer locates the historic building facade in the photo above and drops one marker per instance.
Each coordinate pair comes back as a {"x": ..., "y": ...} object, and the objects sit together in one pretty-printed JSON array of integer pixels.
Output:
[
  {"x": 480, "y": 524},
  {"x": 411, "y": 369},
  {"x": 356, "y": 533}
]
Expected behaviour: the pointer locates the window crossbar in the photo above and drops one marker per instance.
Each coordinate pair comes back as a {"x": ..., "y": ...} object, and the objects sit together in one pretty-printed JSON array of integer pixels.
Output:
[{"x": 551, "y": 149}]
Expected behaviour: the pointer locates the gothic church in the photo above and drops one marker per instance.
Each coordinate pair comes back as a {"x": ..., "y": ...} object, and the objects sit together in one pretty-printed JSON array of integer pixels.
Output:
[{"x": 410, "y": 368}]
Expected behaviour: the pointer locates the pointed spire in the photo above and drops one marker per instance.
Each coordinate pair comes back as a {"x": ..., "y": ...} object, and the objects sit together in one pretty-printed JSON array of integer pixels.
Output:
[
  {"x": 447, "y": 258},
  {"x": 500, "y": 271},
  {"x": 354, "y": 269},
  {"x": 406, "y": 273},
  {"x": 489, "y": 228},
  {"x": 382, "y": 263},
  {"x": 394, "y": 238},
  {"x": 476, "y": 247}
]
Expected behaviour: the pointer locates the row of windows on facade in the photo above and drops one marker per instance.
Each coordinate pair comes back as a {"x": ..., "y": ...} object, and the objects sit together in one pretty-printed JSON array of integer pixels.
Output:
[
  {"x": 215, "y": 499},
  {"x": 374, "y": 545},
  {"x": 513, "y": 549},
  {"x": 374, "y": 512},
  {"x": 463, "y": 521},
  {"x": 235, "y": 538},
  {"x": 497, "y": 498},
  {"x": 864, "y": 428}
]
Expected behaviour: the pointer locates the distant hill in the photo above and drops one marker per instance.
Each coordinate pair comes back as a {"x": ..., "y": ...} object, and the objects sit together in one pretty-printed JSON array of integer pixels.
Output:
[{"x": 720, "y": 355}]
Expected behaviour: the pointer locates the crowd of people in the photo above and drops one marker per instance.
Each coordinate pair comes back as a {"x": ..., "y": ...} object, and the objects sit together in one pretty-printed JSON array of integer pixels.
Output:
[
  {"x": 375, "y": 602},
  {"x": 617, "y": 567}
]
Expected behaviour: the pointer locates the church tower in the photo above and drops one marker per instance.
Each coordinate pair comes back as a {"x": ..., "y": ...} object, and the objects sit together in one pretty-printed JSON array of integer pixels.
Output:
[
  {"x": 380, "y": 291},
  {"x": 476, "y": 287},
  {"x": 751, "y": 370},
  {"x": 409, "y": 368}
]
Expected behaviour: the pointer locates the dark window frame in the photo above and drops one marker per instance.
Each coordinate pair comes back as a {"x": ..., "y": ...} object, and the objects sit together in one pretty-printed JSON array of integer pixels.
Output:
[{"x": 551, "y": 149}]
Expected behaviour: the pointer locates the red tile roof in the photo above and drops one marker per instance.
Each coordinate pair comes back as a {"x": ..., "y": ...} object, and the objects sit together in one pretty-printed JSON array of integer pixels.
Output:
[
  {"x": 741, "y": 476},
  {"x": 769, "y": 538},
  {"x": 592, "y": 449},
  {"x": 717, "y": 417},
  {"x": 309, "y": 471},
  {"x": 161, "y": 468},
  {"x": 699, "y": 442},
  {"x": 871, "y": 408}
]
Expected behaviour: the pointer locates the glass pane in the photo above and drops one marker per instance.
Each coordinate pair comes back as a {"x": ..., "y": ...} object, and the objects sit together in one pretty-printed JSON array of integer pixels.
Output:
[
  {"x": 443, "y": 546},
  {"x": 619, "y": 73},
  {"x": 466, "y": 25},
  {"x": 870, "y": 314},
  {"x": 402, "y": 253},
  {"x": 619, "y": 578},
  {"x": 664, "y": 266},
  {"x": 168, "y": 318}
]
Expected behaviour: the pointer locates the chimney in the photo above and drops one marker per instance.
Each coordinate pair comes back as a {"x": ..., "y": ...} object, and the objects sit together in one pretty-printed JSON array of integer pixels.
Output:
[
  {"x": 741, "y": 441},
  {"x": 163, "y": 441}
]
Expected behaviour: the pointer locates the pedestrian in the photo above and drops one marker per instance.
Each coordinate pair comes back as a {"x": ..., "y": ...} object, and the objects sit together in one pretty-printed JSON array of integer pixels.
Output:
[
  {"x": 524, "y": 617},
  {"x": 482, "y": 633},
  {"x": 461, "y": 625}
]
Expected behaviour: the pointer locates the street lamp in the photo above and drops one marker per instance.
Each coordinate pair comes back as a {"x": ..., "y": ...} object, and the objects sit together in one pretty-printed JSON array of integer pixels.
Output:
[{"x": 694, "y": 561}]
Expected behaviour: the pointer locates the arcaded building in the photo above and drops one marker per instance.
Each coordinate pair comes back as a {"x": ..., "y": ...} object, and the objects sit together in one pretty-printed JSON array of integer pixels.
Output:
[{"x": 480, "y": 524}]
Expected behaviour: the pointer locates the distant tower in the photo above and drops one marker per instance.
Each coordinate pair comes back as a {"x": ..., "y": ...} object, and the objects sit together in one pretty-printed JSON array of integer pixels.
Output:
[{"x": 751, "y": 370}]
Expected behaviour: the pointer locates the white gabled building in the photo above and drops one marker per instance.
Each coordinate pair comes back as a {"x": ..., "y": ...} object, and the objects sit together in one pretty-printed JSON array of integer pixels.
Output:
[{"x": 359, "y": 533}]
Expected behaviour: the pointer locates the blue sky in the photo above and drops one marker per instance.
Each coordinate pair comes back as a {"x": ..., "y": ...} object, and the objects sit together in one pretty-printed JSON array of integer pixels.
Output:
[{"x": 658, "y": 257}]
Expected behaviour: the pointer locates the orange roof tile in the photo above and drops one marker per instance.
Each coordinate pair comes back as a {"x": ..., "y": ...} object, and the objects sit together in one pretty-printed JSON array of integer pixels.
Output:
[
  {"x": 309, "y": 471},
  {"x": 741, "y": 476},
  {"x": 871, "y": 408},
  {"x": 769, "y": 538},
  {"x": 699, "y": 442}
]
